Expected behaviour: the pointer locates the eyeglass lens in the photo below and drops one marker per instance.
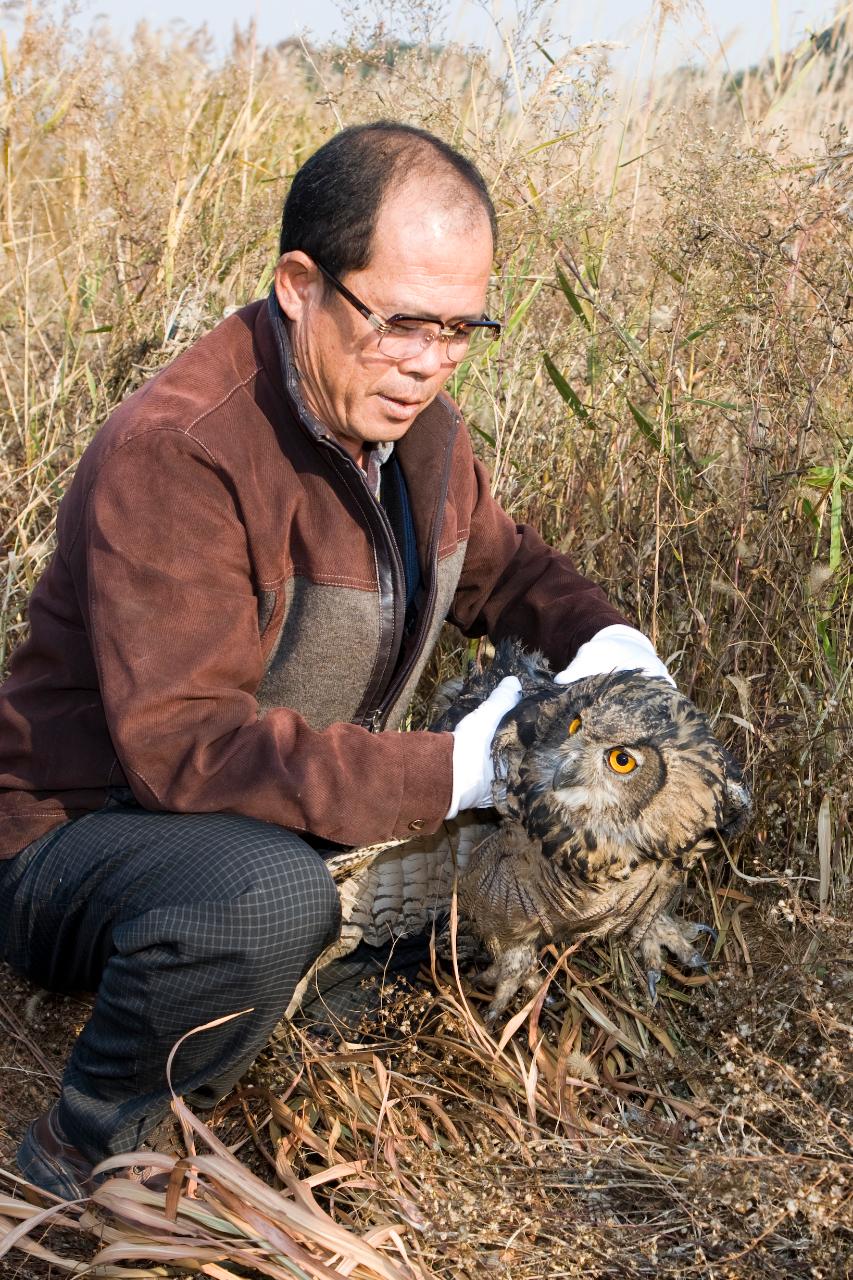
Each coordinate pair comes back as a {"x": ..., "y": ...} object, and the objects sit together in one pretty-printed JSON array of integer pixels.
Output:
[{"x": 404, "y": 341}]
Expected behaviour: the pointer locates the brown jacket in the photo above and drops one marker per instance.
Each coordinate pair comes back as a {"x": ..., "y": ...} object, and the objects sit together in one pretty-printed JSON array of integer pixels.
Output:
[{"x": 221, "y": 620}]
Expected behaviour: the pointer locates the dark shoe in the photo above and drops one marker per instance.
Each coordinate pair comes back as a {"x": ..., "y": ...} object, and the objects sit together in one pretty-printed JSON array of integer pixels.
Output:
[{"x": 47, "y": 1159}]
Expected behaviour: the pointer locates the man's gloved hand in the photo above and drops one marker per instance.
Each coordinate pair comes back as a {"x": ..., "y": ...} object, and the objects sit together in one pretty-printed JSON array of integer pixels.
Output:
[
  {"x": 473, "y": 771},
  {"x": 615, "y": 648}
]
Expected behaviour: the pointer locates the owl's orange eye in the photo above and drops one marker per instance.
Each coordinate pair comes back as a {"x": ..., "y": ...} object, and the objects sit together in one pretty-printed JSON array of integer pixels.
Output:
[
  {"x": 621, "y": 761},
  {"x": 575, "y": 725}
]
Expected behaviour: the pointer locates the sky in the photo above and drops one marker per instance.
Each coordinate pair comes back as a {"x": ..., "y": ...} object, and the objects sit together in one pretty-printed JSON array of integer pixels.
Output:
[{"x": 744, "y": 27}]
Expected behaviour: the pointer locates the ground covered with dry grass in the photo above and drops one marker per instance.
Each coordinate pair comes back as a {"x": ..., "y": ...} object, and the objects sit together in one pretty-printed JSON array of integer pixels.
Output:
[
  {"x": 671, "y": 405},
  {"x": 709, "y": 1137}
]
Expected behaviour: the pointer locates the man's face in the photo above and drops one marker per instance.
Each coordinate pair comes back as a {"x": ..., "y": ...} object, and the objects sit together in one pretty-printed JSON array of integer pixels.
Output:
[{"x": 428, "y": 261}]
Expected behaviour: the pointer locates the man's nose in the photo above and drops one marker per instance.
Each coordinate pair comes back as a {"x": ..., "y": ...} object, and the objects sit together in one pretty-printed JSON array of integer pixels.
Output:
[{"x": 429, "y": 361}]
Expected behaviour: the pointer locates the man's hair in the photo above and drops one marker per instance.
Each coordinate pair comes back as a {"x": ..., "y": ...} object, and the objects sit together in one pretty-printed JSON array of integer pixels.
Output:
[{"x": 333, "y": 204}]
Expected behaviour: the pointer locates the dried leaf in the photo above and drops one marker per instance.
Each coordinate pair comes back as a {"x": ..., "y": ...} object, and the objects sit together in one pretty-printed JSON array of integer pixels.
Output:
[{"x": 824, "y": 851}]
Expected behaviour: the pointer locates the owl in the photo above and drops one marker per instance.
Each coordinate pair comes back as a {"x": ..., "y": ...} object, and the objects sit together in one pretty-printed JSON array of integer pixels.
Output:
[{"x": 606, "y": 792}]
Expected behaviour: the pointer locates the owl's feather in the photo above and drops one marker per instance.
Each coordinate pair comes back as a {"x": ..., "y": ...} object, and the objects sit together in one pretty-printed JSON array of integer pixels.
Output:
[
  {"x": 585, "y": 849},
  {"x": 581, "y": 845}
]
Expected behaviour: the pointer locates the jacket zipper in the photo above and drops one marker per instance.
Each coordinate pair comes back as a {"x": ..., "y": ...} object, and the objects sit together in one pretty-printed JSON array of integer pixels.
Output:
[
  {"x": 375, "y": 515},
  {"x": 378, "y": 717}
]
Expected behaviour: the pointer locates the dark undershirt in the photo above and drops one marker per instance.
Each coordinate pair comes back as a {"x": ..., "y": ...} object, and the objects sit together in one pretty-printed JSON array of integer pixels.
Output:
[{"x": 394, "y": 497}]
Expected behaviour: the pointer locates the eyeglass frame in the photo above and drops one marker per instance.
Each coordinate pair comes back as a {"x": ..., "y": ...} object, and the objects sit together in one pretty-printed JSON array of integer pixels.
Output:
[{"x": 446, "y": 332}]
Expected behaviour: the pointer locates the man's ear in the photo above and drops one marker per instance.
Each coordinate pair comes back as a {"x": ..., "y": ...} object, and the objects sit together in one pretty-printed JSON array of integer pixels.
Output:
[{"x": 298, "y": 281}]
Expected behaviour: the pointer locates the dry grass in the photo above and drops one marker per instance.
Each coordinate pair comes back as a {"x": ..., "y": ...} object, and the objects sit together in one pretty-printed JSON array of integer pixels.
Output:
[{"x": 682, "y": 256}]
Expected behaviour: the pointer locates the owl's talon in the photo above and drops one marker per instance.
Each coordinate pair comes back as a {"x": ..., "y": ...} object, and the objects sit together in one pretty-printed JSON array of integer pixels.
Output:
[
  {"x": 698, "y": 961},
  {"x": 652, "y": 980},
  {"x": 709, "y": 929}
]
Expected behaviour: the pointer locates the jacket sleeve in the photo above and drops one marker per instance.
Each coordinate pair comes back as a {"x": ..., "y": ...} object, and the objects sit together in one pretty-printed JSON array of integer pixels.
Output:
[
  {"x": 171, "y": 614},
  {"x": 514, "y": 584}
]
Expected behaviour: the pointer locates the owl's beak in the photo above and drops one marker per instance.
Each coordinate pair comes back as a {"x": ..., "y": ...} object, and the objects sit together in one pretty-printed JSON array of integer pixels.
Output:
[{"x": 566, "y": 773}]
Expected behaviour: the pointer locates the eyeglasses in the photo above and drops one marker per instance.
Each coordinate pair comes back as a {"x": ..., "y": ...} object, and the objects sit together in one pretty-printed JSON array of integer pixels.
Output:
[{"x": 401, "y": 337}]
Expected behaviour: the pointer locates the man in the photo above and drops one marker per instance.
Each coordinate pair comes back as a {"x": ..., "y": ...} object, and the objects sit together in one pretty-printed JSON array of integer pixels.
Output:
[{"x": 253, "y": 563}]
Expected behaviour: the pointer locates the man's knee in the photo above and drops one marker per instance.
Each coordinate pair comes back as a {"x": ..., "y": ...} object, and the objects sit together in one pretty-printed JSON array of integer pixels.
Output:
[
  {"x": 243, "y": 894},
  {"x": 290, "y": 901},
  {"x": 309, "y": 893}
]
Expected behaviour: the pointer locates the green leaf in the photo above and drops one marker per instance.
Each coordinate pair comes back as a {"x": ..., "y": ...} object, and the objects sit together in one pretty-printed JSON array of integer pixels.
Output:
[
  {"x": 564, "y": 389},
  {"x": 521, "y": 310},
  {"x": 593, "y": 365},
  {"x": 822, "y": 477},
  {"x": 675, "y": 429},
  {"x": 704, "y": 328},
  {"x": 809, "y": 513},
  {"x": 574, "y": 301},
  {"x": 647, "y": 427},
  {"x": 714, "y": 404},
  {"x": 552, "y": 142},
  {"x": 265, "y": 280},
  {"x": 822, "y": 628},
  {"x": 480, "y": 432},
  {"x": 835, "y": 522},
  {"x": 670, "y": 271},
  {"x": 623, "y": 164}
]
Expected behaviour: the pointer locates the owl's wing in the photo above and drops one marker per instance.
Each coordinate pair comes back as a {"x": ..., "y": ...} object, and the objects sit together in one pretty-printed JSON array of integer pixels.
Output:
[
  {"x": 400, "y": 892},
  {"x": 396, "y": 889},
  {"x": 456, "y": 698}
]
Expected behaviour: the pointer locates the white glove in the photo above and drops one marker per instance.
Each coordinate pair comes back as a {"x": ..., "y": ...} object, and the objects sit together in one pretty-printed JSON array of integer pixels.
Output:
[
  {"x": 473, "y": 771},
  {"x": 616, "y": 648}
]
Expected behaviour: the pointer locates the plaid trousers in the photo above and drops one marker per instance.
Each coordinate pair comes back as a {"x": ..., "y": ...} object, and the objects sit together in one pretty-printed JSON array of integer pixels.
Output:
[{"x": 175, "y": 920}]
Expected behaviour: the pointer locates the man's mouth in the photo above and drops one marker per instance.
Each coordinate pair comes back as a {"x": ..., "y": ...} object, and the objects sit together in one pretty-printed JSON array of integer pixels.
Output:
[{"x": 400, "y": 408}]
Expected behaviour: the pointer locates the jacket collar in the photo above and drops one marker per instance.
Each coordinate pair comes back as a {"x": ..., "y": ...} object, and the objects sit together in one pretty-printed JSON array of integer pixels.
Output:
[
  {"x": 378, "y": 455},
  {"x": 290, "y": 373}
]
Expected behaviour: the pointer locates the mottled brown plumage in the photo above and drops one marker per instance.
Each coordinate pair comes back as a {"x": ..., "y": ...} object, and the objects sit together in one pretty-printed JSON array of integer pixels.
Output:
[
  {"x": 609, "y": 789},
  {"x": 606, "y": 791}
]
